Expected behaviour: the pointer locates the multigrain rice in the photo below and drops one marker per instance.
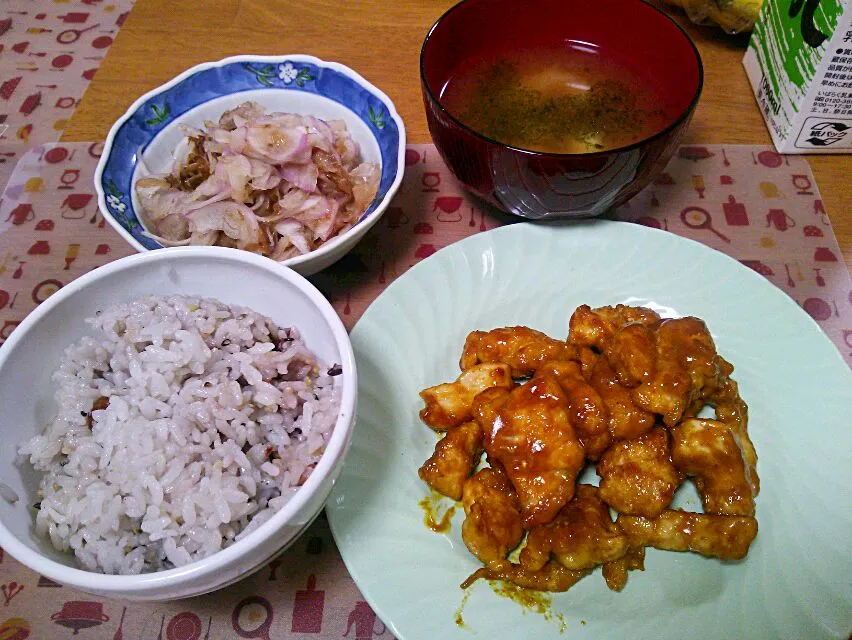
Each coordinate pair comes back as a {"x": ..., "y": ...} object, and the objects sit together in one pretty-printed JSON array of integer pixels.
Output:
[{"x": 184, "y": 426}]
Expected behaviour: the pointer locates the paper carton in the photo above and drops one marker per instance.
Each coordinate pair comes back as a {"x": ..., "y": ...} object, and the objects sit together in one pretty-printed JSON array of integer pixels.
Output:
[{"x": 799, "y": 64}]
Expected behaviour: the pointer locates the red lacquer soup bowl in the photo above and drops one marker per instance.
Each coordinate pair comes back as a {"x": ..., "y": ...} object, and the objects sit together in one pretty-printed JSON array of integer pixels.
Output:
[{"x": 628, "y": 38}]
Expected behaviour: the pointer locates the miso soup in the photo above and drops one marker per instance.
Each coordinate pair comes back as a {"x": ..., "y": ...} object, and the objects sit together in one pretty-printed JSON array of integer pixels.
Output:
[{"x": 562, "y": 101}]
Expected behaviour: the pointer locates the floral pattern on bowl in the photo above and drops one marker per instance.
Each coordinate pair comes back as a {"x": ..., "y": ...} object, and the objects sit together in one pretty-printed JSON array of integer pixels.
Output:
[{"x": 158, "y": 109}]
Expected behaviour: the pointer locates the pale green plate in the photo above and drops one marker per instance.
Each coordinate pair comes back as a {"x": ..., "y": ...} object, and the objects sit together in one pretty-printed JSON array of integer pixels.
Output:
[{"x": 795, "y": 582}]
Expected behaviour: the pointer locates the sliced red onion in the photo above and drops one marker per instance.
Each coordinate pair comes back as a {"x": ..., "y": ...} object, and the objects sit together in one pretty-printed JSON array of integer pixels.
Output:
[
  {"x": 267, "y": 142},
  {"x": 294, "y": 232},
  {"x": 302, "y": 176},
  {"x": 279, "y": 184}
]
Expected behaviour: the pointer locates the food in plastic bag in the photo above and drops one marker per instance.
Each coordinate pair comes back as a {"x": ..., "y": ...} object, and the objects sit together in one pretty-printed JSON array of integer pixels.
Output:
[{"x": 734, "y": 16}]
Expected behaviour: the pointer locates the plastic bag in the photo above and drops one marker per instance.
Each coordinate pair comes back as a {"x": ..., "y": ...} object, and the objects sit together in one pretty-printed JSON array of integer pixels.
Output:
[{"x": 734, "y": 16}]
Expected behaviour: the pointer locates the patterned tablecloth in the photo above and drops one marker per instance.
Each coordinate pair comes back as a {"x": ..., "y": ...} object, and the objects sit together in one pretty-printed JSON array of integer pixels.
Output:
[
  {"x": 761, "y": 208},
  {"x": 49, "y": 51}
]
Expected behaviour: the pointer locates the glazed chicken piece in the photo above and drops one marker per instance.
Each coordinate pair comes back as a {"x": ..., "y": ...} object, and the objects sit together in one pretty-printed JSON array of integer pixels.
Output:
[
  {"x": 581, "y": 536},
  {"x": 594, "y": 327},
  {"x": 449, "y": 404},
  {"x": 531, "y": 435},
  {"x": 687, "y": 370},
  {"x": 723, "y": 537},
  {"x": 733, "y": 411},
  {"x": 521, "y": 348},
  {"x": 455, "y": 457},
  {"x": 626, "y": 418},
  {"x": 552, "y": 577},
  {"x": 615, "y": 572},
  {"x": 588, "y": 412},
  {"x": 637, "y": 476},
  {"x": 486, "y": 405},
  {"x": 632, "y": 353},
  {"x": 492, "y": 526},
  {"x": 708, "y": 450},
  {"x": 587, "y": 358}
]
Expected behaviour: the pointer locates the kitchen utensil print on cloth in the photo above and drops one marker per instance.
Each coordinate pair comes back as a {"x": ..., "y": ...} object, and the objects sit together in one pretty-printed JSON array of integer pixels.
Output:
[
  {"x": 70, "y": 36},
  {"x": 57, "y": 154},
  {"x": 694, "y": 153},
  {"x": 69, "y": 178},
  {"x": 10, "y": 591},
  {"x": 364, "y": 621},
  {"x": 80, "y": 614},
  {"x": 817, "y": 308},
  {"x": 15, "y": 629},
  {"x": 769, "y": 159},
  {"x": 75, "y": 204},
  {"x": 824, "y": 254},
  {"x": 430, "y": 181},
  {"x": 45, "y": 289},
  {"x": 39, "y": 248},
  {"x": 21, "y": 214},
  {"x": 802, "y": 184},
  {"x": 447, "y": 208},
  {"x": 699, "y": 218},
  {"x": 307, "y": 608},
  {"x": 119, "y": 633},
  {"x": 34, "y": 185},
  {"x": 735, "y": 212},
  {"x": 47, "y": 583},
  {"x": 779, "y": 219},
  {"x": 770, "y": 190},
  {"x": 759, "y": 266},
  {"x": 184, "y": 626},
  {"x": 6, "y": 329},
  {"x": 699, "y": 186},
  {"x": 252, "y": 617}
]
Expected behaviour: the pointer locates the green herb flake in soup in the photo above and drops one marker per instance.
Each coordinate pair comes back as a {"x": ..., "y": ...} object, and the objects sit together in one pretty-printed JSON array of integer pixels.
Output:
[{"x": 567, "y": 106}]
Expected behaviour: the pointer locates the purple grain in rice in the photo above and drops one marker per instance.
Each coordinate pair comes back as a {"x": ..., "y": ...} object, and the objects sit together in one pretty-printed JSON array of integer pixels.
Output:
[{"x": 182, "y": 428}]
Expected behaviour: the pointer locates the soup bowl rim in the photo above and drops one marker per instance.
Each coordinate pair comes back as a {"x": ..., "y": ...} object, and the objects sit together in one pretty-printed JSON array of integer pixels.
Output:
[{"x": 675, "y": 121}]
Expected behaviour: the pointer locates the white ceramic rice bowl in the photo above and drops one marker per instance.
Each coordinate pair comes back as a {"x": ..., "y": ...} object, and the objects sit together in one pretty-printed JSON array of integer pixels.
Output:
[{"x": 30, "y": 355}]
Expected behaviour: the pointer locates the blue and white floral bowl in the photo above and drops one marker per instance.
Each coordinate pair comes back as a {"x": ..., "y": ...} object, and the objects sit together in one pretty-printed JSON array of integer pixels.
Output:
[{"x": 144, "y": 139}]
